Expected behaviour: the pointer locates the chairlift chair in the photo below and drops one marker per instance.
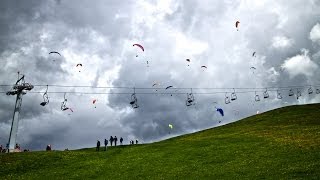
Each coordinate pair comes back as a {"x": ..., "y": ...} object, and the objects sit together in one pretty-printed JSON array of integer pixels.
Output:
[
  {"x": 291, "y": 93},
  {"x": 227, "y": 99},
  {"x": 45, "y": 98},
  {"x": 190, "y": 99},
  {"x": 298, "y": 93},
  {"x": 233, "y": 95},
  {"x": 279, "y": 94},
  {"x": 310, "y": 91},
  {"x": 265, "y": 94},
  {"x": 257, "y": 97},
  {"x": 317, "y": 91},
  {"x": 64, "y": 103},
  {"x": 134, "y": 101}
]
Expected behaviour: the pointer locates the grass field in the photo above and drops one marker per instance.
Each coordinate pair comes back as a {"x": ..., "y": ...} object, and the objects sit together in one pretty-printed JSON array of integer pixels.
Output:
[{"x": 279, "y": 144}]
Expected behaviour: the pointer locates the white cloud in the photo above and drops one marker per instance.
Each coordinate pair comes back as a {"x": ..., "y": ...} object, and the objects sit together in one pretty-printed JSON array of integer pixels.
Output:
[
  {"x": 280, "y": 42},
  {"x": 315, "y": 33},
  {"x": 300, "y": 64}
]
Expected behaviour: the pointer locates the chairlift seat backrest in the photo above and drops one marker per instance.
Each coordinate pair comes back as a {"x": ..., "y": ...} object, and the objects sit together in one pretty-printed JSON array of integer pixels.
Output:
[
  {"x": 227, "y": 100},
  {"x": 291, "y": 92},
  {"x": 257, "y": 98},
  {"x": 233, "y": 96}
]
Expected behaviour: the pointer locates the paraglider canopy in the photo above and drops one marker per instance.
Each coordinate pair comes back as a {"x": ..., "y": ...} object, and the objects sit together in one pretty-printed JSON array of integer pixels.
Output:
[
  {"x": 220, "y": 111},
  {"x": 140, "y": 46},
  {"x": 54, "y": 52},
  {"x": 253, "y": 54},
  {"x": 169, "y": 87},
  {"x": 170, "y": 126},
  {"x": 78, "y": 65},
  {"x": 204, "y": 67},
  {"x": 237, "y": 25}
]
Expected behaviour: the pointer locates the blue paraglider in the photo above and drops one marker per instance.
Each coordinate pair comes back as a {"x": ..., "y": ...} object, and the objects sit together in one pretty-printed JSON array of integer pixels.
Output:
[{"x": 220, "y": 111}]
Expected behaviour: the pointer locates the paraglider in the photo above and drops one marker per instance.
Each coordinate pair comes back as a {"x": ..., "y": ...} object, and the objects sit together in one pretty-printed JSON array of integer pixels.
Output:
[
  {"x": 254, "y": 54},
  {"x": 170, "y": 126},
  {"x": 140, "y": 46},
  {"x": 79, "y": 65},
  {"x": 221, "y": 113},
  {"x": 253, "y": 69},
  {"x": 94, "y": 102},
  {"x": 54, "y": 52},
  {"x": 204, "y": 67},
  {"x": 169, "y": 87},
  {"x": 237, "y": 25},
  {"x": 188, "y": 60}
]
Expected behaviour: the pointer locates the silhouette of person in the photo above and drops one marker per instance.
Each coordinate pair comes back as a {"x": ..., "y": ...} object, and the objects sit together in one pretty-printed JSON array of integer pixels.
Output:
[
  {"x": 121, "y": 140},
  {"x": 136, "y": 141},
  {"x": 105, "y": 144},
  {"x": 111, "y": 140},
  {"x": 98, "y": 145},
  {"x": 115, "y": 140}
]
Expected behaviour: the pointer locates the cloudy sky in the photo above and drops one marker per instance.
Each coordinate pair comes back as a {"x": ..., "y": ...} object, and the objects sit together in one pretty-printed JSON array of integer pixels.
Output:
[{"x": 100, "y": 34}]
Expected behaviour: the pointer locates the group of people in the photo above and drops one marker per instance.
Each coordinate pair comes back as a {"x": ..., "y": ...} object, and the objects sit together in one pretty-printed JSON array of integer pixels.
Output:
[{"x": 112, "y": 140}]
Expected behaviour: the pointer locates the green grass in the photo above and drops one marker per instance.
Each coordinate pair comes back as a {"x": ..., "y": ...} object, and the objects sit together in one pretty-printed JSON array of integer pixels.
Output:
[{"x": 279, "y": 144}]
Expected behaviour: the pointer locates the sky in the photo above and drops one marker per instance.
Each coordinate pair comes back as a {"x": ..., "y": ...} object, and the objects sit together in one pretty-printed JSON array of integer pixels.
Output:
[{"x": 100, "y": 35}]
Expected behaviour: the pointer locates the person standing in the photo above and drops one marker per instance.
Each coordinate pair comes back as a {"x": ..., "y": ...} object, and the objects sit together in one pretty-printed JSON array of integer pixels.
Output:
[
  {"x": 111, "y": 140},
  {"x": 98, "y": 145},
  {"x": 115, "y": 140},
  {"x": 121, "y": 140},
  {"x": 136, "y": 141},
  {"x": 105, "y": 144}
]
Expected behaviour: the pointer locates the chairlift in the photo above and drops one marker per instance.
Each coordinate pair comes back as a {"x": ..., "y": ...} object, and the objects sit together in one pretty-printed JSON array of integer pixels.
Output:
[
  {"x": 64, "y": 103},
  {"x": 265, "y": 94},
  {"x": 291, "y": 93},
  {"x": 190, "y": 99},
  {"x": 257, "y": 97},
  {"x": 298, "y": 93},
  {"x": 45, "y": 98},
  {"x": 310, "y": 91},
  {"x": 279, "y": 94},
  {"x": 134, "y": 100},
  {"x": 233, "y": 95},
  {"x": 227, "y": 99}
]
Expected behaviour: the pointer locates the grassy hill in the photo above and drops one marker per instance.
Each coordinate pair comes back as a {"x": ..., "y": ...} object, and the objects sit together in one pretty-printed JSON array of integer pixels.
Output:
[{"x": 283, "y": 143}]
